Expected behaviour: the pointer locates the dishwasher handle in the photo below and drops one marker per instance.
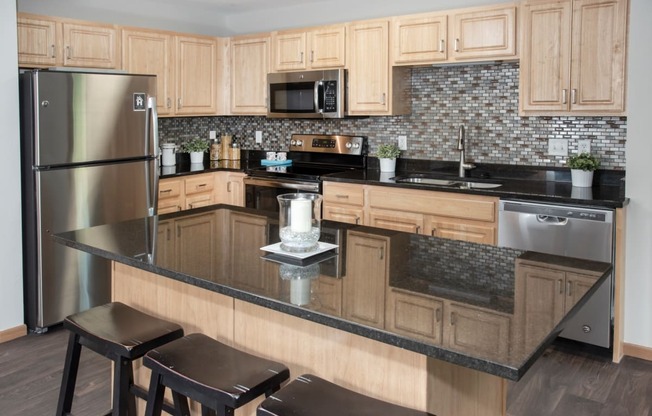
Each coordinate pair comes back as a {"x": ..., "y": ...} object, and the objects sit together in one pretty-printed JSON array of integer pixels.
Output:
[{"x": 552, "y": 220}]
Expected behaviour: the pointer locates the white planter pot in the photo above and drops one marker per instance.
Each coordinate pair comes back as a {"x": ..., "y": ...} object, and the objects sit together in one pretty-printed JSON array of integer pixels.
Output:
[
  {"x": 582, "y": 178},
  {"x": 387, "y": 165},
  {"x": 196, "y": 157}
]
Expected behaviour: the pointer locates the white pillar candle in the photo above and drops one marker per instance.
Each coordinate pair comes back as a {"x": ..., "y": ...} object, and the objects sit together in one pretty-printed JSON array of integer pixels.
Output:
[
  {"x": 300, "y": 292},
  {"x": 300, "y": 215}
]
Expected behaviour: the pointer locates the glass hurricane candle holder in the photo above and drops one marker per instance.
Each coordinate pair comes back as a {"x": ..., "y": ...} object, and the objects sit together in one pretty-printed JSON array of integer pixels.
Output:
[{"x": 299, "y": 221}]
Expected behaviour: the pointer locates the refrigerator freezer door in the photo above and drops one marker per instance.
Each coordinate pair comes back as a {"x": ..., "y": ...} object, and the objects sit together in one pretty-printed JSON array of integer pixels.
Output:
[
  {"x": 86, "y": 117},
  {"x": 68, "y": 280}
]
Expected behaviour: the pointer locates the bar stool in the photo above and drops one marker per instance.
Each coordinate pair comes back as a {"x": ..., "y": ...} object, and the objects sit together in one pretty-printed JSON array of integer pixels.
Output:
[
  {"x": 121, "y": 334},
  {"x": 310, "y": 395},
  {"x": 203, "y": 369}
]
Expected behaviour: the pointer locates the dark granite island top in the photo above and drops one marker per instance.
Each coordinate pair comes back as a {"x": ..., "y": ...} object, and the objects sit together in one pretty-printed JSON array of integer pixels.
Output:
[{"x": 460, "y": 302}]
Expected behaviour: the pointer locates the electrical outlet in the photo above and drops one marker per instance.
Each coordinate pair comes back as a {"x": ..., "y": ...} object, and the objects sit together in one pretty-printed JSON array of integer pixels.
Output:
[
  {"x": 584, "y": 146},
  {"x": 259, "y": 136},
  {"x": 212, "y": 135},
  {"x": 558, "y": 147},
  {"x": 402, "y": 142}
]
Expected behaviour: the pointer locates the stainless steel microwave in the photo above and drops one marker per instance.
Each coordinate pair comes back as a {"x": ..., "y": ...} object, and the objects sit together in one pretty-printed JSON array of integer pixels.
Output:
[{"x": 308, "y": 94}]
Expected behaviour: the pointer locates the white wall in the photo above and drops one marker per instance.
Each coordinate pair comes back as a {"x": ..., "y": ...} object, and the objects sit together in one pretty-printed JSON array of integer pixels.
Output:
[
  {"x": 638, "y": 290},
  {"x": 11, "y": 274}
]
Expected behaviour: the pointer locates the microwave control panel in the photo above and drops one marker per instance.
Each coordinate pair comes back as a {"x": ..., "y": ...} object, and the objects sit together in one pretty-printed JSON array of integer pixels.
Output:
[{"x": 330, "y": 96}]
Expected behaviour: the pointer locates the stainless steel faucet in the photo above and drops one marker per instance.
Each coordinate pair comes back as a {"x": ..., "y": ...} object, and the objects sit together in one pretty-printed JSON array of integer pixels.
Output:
[{"x": 460, "y": 146}]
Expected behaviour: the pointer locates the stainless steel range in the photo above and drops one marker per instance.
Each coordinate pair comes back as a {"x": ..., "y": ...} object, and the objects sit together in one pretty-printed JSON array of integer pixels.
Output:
[{"x": 312, "y": 156}]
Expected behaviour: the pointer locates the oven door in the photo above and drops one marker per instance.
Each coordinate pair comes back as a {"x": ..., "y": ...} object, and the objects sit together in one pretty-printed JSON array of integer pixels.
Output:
[{"x": 261, "y": 193}]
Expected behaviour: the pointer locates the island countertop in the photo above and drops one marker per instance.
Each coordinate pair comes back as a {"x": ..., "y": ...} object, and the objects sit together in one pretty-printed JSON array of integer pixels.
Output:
[{"x": 460, "y": 302}]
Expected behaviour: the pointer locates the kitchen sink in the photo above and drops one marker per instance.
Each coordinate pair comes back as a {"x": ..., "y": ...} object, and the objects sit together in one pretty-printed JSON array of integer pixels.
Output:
[{"x": 422, "y": 179}]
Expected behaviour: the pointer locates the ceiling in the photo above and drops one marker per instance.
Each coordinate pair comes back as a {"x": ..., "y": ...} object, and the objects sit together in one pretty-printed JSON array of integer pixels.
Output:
[{"x": 233, "y": 17}]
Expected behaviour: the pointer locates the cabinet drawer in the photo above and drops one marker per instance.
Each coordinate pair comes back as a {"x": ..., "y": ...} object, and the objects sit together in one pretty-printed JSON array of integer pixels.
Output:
[
  {"x": 198, "y": 184},
  {"x": 199, "y": 200},
  {"x": 415, "y": 316},
  {"x": 343, "y": 194},
  {"x": 169, "y": 188}
]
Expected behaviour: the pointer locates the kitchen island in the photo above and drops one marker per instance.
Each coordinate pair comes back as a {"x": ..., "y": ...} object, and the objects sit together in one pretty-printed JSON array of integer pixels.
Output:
[{"x": 429, "y": 323}]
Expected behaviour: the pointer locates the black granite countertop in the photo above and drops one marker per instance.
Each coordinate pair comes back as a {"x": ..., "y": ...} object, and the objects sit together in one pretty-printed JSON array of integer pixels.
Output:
[
  {"x": 461, "y": 276},
  {"x": 517, "y": 182}
]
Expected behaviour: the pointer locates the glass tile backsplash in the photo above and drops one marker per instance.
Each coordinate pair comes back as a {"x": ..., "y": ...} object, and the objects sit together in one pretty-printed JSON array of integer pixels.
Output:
[{"x": 482, "y": 97}]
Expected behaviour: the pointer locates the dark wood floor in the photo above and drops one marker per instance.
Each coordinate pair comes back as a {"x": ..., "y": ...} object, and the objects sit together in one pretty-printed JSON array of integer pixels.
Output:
[{"x": 566, "y": 381}]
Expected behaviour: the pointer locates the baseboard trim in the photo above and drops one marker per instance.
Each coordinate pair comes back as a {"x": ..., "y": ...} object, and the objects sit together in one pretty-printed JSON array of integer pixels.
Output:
[
  {"x": 637, "y": 351},
  {"x": 13, "y": 333}
]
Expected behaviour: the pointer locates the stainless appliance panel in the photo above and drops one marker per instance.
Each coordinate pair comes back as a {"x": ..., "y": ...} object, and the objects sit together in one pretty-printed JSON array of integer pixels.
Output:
[
  {"x": 573, "y": 232},
  {"x": 76, "y": 114},
  {"x": 80, "y": 197}
]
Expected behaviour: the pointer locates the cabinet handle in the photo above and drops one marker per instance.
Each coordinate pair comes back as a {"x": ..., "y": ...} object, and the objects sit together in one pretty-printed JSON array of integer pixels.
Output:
[
  {"x": 312, "y": 56},
  {"x": 228, "y": 187},
  {"x": 167, "y": 234},
  {"x": 178, "y": 232},
  {"x": 438, "y": 315},
  {"x": 357, "y": 220},
  {"x": 382, "y": 99},
  {"x": 53, "y": 51},
  {"x": 457, "y": 44},
  {"x": 559, "y": 285},
  {"x": 569, "y": 289},
  {"x": 67, "y": 52},
  {"x": 382, "y": 253},
  {"x": 573, "y": 96},
  {"x": 201, "y": 185},
  {"x": 165, "y": 191},
  {"x": 433, "y": 232},
  {"x": 342, "y": 196},
  {"x": 301, "y": 57},
  {"x": 178, "y": 102},
  {"x": 169, "y": 102},
  {"x": 563, "y": 96},
  {"x": 453, "y": 318},
  {"x": 442, "y": 44},
  {"x": 417, "y": 229}
]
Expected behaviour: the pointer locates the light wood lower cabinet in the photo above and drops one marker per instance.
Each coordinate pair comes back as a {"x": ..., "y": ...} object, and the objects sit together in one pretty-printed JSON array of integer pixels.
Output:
[
  {"x": 230, "y": 188},
  {"x": 463, "y": 230},
  {"x": 171, "y": 195},
  {"x": 441, "y": 321},
  {"x": 196, "y": 238},
  {"x": 343, "y": 202},
  {"x": 194, "y": 191},
  {"x": 408, "y": 222},
  {"x": 199, "y": 190}
]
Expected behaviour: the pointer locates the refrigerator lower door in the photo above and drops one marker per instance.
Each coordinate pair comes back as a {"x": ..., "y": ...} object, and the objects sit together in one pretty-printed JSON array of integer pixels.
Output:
[{"x": 65, "y": 280}]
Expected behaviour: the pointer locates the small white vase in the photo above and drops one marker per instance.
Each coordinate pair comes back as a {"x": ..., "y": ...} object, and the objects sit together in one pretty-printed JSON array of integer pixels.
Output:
[
  {"x": 196, "y": 157},
  {"x": 582, "y": 178},
  {"x": 387, "y": 165}
]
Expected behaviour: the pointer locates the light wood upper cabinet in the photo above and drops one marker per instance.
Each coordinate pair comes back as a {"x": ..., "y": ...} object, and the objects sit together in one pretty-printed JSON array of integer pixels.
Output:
[
  {"x": 321, "y": 48},
  {"x": 419, "y": 39},
  {"x": 38, "y": 41},
  {"x": 249, "y": 68},
  {"x": 91, "y": 46},
  {"x": 148, "y": 52},
  {"x": 196, "y": 75},
  {"x": 50, "y": 41},
  {"x": 488, "y": 33},
  {"x": 484, "y": 33},
  {"x": 573, "y": 57}
]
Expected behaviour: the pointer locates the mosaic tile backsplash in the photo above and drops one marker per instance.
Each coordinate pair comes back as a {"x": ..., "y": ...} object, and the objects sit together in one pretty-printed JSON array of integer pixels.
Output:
[{"x": 482, "y": 97}]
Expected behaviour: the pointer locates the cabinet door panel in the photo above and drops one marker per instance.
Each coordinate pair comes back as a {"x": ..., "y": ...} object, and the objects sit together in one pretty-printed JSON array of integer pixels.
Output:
[
  {"x": 89, "y": 46},
  {"x": 599, "y": 37},
  {"x": 479, "y": 331},
  {"x": 37, "y": 41},
  {"x": 545, "y": 60},
  {"x": 415, "y": 316},
  {"x": 419, "y": 40},
  {"x": 249, "y": 66},
  {"x": 327, "y": 47},
  {"x": 196, "y": 237},
  {"x": 400, "y": 221},
  {"x": 248, "y": 233},
  {"x": 196, "y": 75},
  {"x": 484, "y": 34},
  {"x": 368, "y": 68},
  {"x": 289, "y": 51},
  {"x": 349, "y": 215},
  {"x": 151, "y": 53},
  {"x": 576, "y": 286}
]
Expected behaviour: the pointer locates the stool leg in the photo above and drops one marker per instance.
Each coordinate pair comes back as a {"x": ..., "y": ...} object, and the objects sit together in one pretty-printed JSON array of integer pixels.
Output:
[
  {"x": 180, "y": 404},
  {"x": 124, "y": 403},
  {"x": 222, "y": 411},
  {"x": 205, "y": 411},
  {"x": 155, "y": 395},
  {"x": 69, "y": 378}
]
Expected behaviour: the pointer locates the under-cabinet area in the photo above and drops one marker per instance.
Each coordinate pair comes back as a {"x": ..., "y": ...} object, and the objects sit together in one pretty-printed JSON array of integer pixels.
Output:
[{"x": 439, "y": 214}]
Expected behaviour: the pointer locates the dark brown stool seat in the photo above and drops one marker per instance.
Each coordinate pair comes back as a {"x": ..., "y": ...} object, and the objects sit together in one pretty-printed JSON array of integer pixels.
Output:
[
  {"x": 121, "y": 334},
  {"x": 216, "y": 375},
  {"x": 310, "y": 395}
]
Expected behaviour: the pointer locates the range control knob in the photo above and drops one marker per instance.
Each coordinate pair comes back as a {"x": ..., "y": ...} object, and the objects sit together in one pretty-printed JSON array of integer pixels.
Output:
[
  {"x": 348, "y": 145},
  {"x": 299, "y": 143},
  {"x": 293, "y": 142},
  {"x": 356, "y": 145}
]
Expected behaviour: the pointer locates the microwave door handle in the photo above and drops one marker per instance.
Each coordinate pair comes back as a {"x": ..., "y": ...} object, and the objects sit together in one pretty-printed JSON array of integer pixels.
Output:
[{"x": 318, "y": 105}]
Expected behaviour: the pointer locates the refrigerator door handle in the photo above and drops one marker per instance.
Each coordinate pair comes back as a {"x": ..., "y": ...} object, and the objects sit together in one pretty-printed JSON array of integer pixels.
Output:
[{"x": 152, "y": 185}]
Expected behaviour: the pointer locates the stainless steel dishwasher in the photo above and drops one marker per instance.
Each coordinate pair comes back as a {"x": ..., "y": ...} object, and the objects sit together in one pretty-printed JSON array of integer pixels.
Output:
[{"x": 571, "y": 231}]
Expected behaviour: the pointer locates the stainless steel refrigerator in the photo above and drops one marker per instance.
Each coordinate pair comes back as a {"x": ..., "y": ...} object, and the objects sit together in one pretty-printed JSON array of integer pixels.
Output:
[{"x": 89, "y": 145}]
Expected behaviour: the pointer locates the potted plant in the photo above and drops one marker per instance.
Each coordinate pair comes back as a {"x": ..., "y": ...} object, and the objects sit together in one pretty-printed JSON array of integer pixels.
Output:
[
  {"x": 582, "y": 167},
  {"x": 387, "y": 154},
  {"x": 196, "y": 147}
]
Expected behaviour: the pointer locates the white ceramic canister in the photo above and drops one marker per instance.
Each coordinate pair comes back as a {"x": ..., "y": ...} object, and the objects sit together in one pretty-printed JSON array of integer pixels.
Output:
[{"x": 168, "y": 158}]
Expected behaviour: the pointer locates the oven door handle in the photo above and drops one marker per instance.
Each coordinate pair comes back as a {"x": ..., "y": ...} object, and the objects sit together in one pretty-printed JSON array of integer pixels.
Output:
[
  {"x": 270, "y": 183},
  {"x": 319, "y": 107}
]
